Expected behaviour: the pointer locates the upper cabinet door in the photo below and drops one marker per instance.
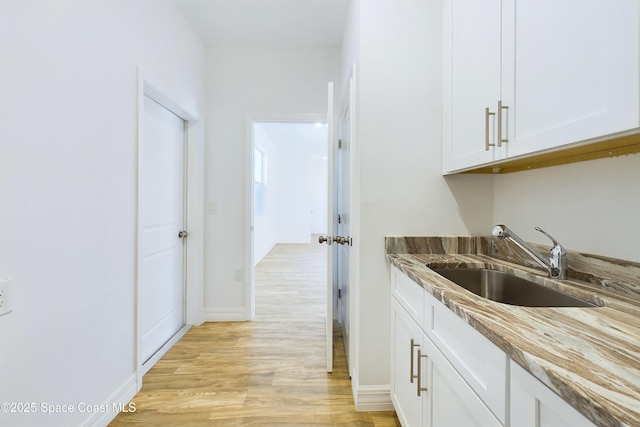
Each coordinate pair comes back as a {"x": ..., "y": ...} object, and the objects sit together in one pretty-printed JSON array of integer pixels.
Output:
[
  {"x": 570, "y": 71},
  {"x": 471, "y": 77}
]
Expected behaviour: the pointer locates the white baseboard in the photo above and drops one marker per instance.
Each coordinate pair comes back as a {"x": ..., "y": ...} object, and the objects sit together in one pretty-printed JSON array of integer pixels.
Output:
[
  {"x": 373, "y": 398},
  {"x": 234, "y": 314},
  {"x": 116, "y": 403}
]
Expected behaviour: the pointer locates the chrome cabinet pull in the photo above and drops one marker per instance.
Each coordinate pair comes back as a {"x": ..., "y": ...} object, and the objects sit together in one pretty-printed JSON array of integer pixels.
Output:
[
  {"x": 500, "y": 138},
  {"x": 420, "y": 388},
  {"x": 487, "y": 114},
  {"x": 412, "y": 377}
]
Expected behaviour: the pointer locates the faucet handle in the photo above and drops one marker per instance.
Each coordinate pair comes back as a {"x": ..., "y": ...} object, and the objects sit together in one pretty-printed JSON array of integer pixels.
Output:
[
  {"x": 557, "y": 257},
  {"x": 556, "y": 244}
]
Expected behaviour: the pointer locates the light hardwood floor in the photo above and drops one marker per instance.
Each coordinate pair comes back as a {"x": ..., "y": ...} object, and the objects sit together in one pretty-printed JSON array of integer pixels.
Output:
[{"x": 268, "y": 372}]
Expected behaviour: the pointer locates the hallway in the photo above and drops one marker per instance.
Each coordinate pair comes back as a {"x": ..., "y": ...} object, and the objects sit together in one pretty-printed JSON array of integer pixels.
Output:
[{"x": 269, "y": 372}]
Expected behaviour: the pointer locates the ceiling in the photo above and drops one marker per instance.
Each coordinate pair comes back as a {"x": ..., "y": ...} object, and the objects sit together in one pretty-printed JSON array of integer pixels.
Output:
[{"x": 268, "y": 23}]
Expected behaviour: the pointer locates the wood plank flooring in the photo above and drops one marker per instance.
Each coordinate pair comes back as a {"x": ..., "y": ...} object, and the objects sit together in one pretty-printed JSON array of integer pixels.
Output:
[{"x": 268, "y": 372}]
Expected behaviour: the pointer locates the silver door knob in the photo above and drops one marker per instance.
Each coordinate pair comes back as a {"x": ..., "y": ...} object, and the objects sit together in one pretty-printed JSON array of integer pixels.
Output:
[
  {"x": 342, "y": 240},
  {"x": 323, "y": 239},
  {"x": 182, "y": 234}
]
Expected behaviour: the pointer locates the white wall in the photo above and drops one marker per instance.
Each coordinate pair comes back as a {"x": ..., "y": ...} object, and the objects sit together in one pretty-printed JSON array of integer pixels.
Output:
[
  {"x": 301, "y": 178},
  {"x": 318, "y": 186},
  {"x": 68, "y": 179},
  {"x": 266, "y": 225},
  {"x": 592, "y": 206},
  {"x": 262, "y": 83},
  {"x": 397, "y": 48}
]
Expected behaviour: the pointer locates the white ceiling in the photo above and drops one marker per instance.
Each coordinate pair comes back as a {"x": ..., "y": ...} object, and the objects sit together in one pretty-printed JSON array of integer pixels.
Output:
[{"x": 283, "y": 23}]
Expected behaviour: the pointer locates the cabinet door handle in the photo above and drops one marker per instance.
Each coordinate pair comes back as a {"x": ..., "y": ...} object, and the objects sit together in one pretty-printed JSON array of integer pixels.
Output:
[
  {"x": 420, "y": 388},
  {"x": 487, "y": 114},
  {"x": 413, "y": 344},
  {"x": 500, "y": 138}
]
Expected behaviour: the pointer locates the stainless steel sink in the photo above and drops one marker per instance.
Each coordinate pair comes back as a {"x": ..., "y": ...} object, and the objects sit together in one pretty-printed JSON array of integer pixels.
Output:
[{"x": 508, "y": 289}]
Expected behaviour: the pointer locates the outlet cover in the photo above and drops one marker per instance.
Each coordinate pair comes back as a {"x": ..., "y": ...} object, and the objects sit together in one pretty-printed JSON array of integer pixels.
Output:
[{"x": 6, "y": 295}]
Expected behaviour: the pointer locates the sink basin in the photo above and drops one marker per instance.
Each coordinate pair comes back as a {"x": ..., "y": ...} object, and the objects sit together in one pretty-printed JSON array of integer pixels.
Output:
[{"x": 508, "y": 289}]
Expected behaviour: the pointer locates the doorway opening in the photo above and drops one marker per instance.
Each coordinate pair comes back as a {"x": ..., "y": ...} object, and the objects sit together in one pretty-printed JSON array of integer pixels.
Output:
[
  {"x": 289, "y": 197},
  {"x": 290, "y": 175}
]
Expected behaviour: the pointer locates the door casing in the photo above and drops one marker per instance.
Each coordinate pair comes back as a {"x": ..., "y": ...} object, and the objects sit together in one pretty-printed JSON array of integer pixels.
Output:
[{"x": 249, "y": 271}]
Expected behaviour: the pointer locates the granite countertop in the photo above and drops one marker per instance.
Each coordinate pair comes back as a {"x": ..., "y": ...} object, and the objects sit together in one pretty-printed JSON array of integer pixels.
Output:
[{"x": 589, "y": 356}]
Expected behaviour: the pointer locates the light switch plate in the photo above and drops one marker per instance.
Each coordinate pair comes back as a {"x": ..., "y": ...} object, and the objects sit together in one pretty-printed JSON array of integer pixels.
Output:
[{"x": 6, "y": 295}]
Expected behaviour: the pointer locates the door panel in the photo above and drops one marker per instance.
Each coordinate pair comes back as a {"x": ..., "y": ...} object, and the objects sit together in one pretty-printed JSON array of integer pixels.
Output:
[
  {"x": 331, "y": 122},
  {"x": 161, "y": 217},
  {"x": 343, "y": 210}
]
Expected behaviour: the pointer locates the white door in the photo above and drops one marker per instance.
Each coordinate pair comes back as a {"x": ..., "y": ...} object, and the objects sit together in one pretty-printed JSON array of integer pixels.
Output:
[
  {"x": 338, "y": 227},
  {"x": 330, "y": 213},
  {"x": 161, "y": 285},
  {"x": 343, "y": 227}
]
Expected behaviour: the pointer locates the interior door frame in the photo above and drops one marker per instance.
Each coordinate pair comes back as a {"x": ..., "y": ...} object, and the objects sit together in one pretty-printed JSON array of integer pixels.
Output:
[
  {"x": 193, "y": 215},
  {"x": 249, "y": 269}
]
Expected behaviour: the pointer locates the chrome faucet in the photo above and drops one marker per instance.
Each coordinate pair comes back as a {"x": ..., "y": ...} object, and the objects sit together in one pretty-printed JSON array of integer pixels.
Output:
[{"x": 556, "y": 265}]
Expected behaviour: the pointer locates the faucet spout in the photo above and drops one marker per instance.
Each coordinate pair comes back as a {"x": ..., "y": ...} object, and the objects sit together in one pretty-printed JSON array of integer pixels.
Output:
[{"x": 556, "y": 264}]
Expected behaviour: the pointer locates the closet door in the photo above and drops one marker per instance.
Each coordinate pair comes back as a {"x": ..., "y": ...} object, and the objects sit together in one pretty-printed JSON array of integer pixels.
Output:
[{"x": 161, "y": 223}]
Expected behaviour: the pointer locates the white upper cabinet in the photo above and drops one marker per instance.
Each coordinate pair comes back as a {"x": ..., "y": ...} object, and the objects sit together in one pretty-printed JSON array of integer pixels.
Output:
[
  {"x": 471, "y": 81},
  {"x": 564, "y": 72},
  {"x": 570, "y": 71}
]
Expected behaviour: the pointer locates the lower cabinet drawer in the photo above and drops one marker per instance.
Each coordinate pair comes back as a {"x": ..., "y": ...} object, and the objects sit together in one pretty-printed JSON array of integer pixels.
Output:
[
  {"x": 482, "y": 365},
  {"x": 408, "y": 293}
]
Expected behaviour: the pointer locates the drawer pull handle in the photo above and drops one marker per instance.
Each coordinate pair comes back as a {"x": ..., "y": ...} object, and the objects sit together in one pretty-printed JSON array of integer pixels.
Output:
[
  {"x": 487, "y": 113},
  {"x": 412, "y": 377},
  {"x": 420, "y": 388},
  {"x": 500, "y": 138}
]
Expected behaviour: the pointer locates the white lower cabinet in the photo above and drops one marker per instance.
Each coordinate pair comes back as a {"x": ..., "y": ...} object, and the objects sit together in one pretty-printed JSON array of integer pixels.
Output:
[
  {"x": 407, "y": 339},
  {"x": 452, "y": 401},
  {"x": 533, "y": 404},
  {"x": 444, "y": 373},
  {"x": 426, "y": 389},
  {"x": 481, "y": 364}
]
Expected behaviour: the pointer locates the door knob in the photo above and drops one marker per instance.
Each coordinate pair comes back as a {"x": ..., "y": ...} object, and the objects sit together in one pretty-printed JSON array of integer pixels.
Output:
[
  {"x": 342, "y": 240},
  {"x": 182, "y": 234},
  {"x": 323, "y": 239}
]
